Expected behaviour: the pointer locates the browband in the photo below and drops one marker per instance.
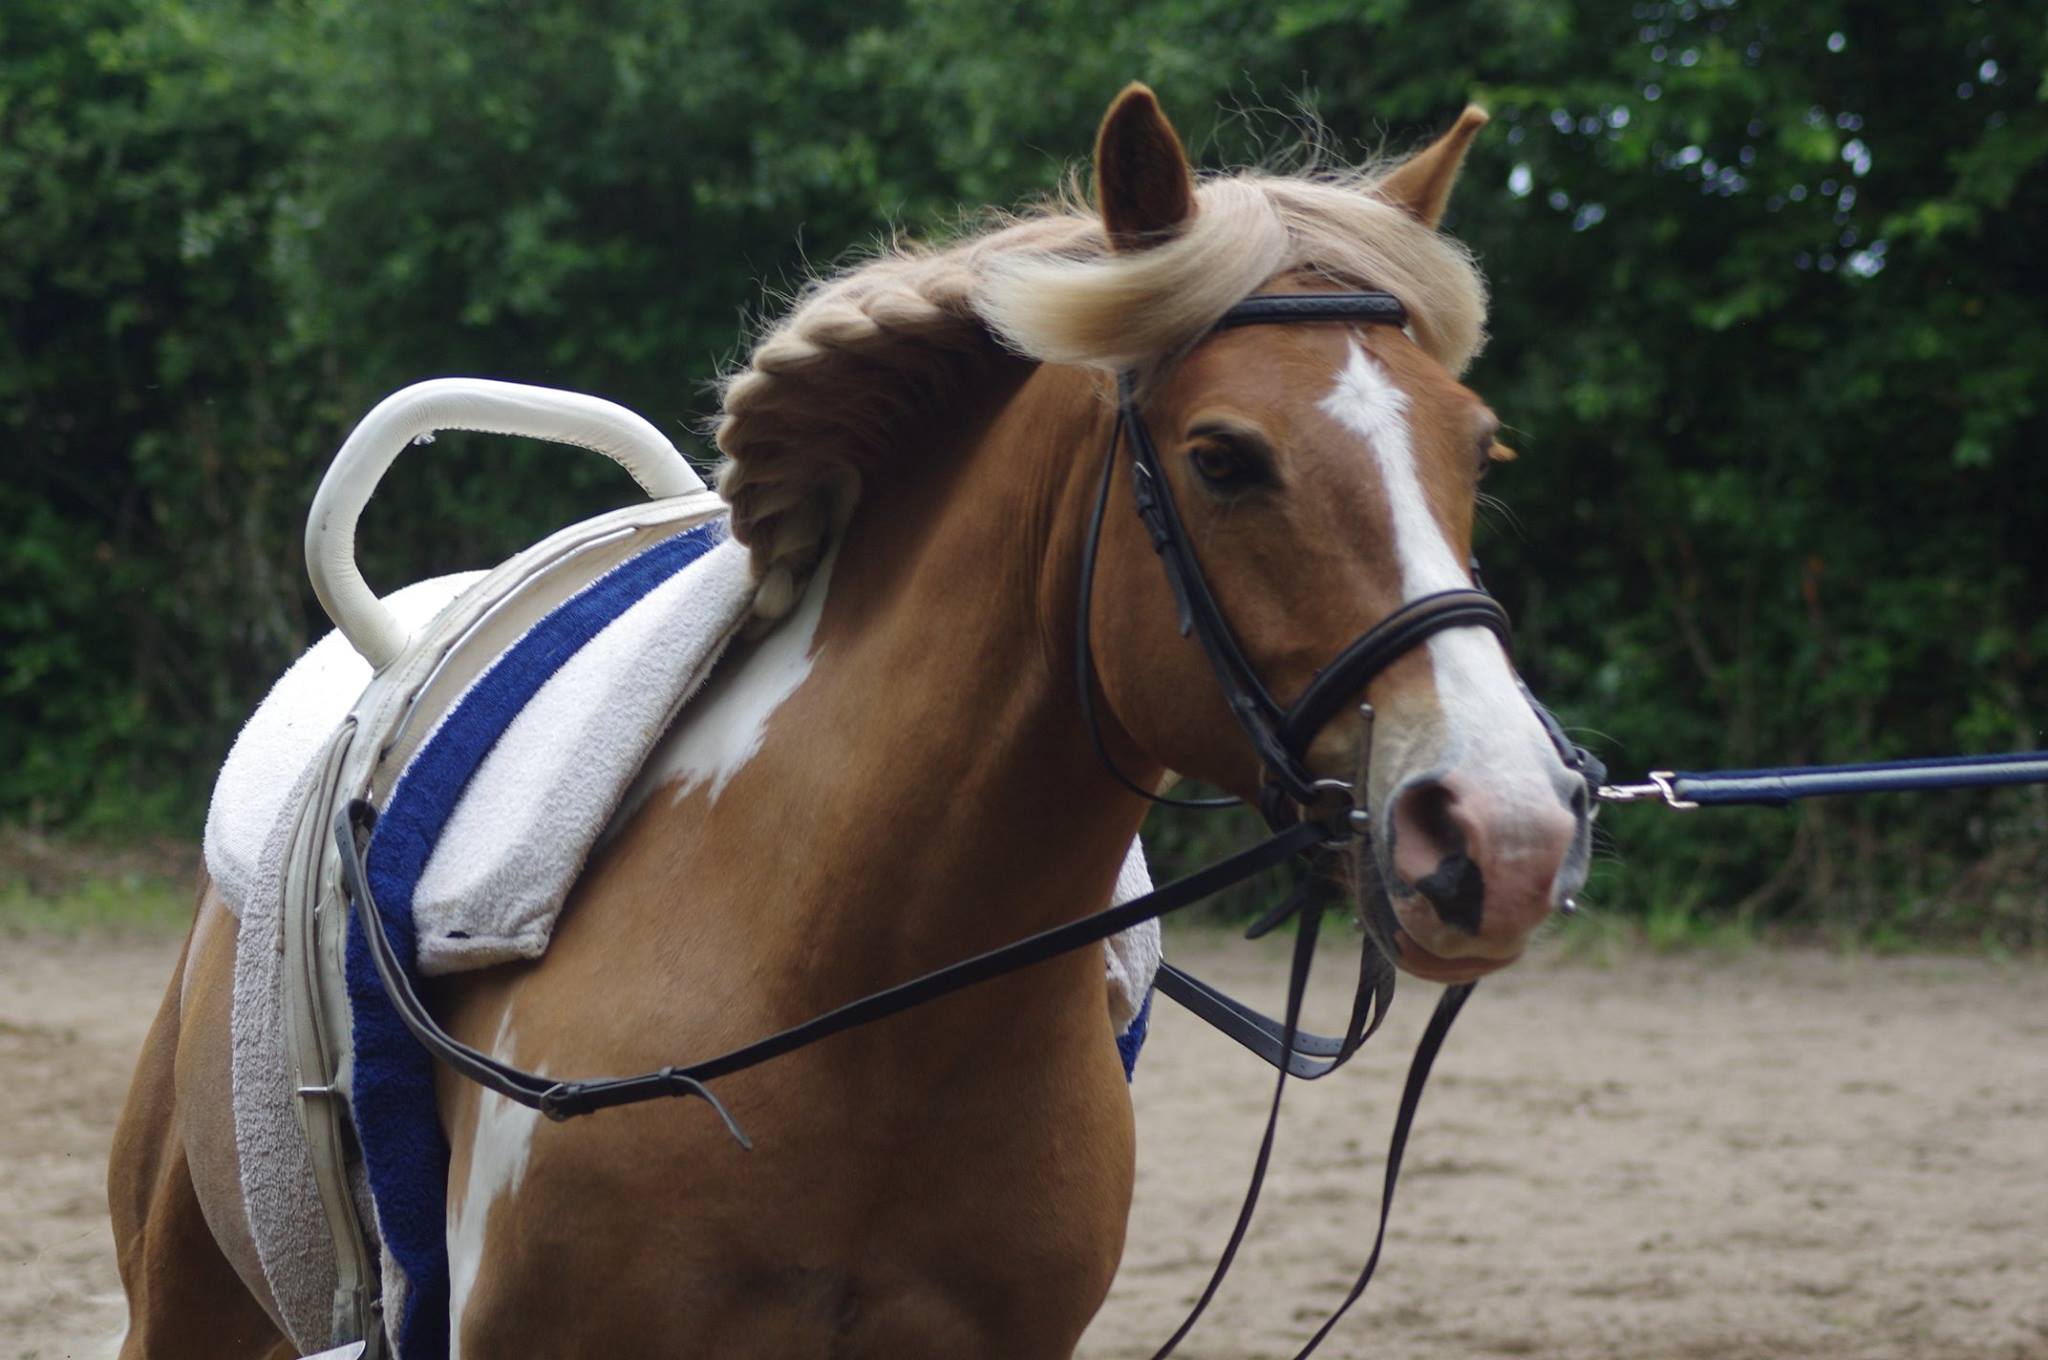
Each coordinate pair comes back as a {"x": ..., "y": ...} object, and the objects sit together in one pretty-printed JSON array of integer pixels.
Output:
[{"x": 1383, "y": 308}]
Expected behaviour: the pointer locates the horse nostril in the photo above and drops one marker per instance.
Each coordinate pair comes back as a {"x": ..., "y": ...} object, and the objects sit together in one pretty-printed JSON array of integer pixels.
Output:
[
  {"x": 1457, "y": 890},
  {"x": 1485, "y": 854},
  {"x": 1432, "y": 857},
  {"x": 1423, "y": 812}
]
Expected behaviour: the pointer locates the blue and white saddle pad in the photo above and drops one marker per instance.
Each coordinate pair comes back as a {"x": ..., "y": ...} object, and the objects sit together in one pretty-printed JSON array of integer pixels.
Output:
[{"x": 477, "y": 847}]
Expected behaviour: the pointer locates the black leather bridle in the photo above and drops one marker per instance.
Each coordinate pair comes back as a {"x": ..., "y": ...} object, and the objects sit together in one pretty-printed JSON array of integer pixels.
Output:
[
  {"x": 1294, "y": 795},
  {"x": 1279, "y": 735},
  {"x": 1311, "y": 816}
]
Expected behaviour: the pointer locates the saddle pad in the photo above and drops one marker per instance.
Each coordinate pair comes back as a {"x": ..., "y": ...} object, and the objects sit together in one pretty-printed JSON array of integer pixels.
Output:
[
  {"x": 655, "y": 626},
  {"x": 280, "y": 741},
  {"x": 513, "y": 708}
]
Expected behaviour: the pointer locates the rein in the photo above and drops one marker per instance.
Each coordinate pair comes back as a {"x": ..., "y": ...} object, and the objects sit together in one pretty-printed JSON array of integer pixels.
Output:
[{"x": 561, "y": 1100}]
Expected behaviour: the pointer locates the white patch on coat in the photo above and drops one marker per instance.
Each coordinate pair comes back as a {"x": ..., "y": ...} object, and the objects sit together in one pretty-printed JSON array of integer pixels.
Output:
[
  {"x": 724, "y": 726},
  {"x": 1486, "y": 719},
  {"x": 498, "y": 1154}
]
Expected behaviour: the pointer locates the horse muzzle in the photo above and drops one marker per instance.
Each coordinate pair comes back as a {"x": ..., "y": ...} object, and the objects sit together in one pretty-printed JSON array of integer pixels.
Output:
[{"x": 1473, "y": 867}]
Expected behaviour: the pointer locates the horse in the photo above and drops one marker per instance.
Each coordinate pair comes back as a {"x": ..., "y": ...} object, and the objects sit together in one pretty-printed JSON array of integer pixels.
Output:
[{"x": 910, "y": 455}]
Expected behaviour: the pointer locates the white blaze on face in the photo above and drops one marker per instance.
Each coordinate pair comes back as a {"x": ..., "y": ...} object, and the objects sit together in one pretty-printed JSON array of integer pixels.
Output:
[
  {"x": 498, "y": 1154},
  {"x": 1486, "y": 719}
]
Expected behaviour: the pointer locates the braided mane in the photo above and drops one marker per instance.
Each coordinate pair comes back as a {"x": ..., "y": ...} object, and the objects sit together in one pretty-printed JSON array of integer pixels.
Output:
[{"x": 840, "y": 379}]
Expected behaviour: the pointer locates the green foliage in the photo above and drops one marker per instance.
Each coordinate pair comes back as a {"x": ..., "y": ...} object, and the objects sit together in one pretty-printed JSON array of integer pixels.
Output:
[
  {"x": 1769, "y": 333},
  {"x": 61, "y": 885},
  {"x": 96, "y": 906}
]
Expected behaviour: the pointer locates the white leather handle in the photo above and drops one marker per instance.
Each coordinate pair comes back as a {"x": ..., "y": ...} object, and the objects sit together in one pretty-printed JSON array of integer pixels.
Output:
[{"x": 458, "y": 404}]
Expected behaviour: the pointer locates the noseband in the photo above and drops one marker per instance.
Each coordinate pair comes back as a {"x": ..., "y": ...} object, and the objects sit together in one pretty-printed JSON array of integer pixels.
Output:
[{"x": 1280, "y": 735}]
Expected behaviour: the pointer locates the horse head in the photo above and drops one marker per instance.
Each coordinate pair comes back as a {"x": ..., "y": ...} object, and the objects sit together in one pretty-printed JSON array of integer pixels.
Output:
[{"x": 1325, "y": 474}]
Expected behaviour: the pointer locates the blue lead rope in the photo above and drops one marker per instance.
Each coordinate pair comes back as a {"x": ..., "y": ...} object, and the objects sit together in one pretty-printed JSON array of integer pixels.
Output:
[{"x": 1777, "y": 788}]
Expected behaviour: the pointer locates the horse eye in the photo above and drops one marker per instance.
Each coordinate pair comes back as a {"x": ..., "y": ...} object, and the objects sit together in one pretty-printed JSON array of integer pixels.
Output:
[{"x": 1223, "y": 465}]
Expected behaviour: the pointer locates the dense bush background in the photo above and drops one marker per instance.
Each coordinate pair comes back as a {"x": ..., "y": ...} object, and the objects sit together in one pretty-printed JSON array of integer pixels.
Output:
[{"x": 1770, "y": 332}]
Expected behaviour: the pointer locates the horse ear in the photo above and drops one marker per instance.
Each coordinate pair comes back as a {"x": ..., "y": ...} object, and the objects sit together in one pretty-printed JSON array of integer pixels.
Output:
[
  {"x": 1142, "y": 181},
  {"x": 1422, "y": 183}
]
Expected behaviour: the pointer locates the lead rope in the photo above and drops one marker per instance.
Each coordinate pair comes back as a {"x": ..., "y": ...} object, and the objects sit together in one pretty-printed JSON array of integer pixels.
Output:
[{"x": 1781, "y": 787}]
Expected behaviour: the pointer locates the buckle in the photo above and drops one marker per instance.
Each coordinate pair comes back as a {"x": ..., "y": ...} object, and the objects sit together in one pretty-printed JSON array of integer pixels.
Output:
[
  {"x": 1337, "y": 812},
  {"x": 1658, "y": 784}
]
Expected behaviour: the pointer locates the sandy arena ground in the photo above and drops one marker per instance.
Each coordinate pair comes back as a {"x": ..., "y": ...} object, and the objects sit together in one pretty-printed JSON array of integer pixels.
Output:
[{"x": 1778, "y": 1155}]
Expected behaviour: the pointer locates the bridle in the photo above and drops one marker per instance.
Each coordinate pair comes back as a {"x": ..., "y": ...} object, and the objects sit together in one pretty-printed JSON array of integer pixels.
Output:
[
  {"x": 1310, "y": 816},
  {"x": 1292, "y": 795},
  {"x": 1279, "y": 735}
]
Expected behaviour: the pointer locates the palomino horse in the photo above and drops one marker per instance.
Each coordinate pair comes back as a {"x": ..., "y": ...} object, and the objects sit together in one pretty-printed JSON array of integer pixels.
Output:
[{"x": 912, "y": 455}]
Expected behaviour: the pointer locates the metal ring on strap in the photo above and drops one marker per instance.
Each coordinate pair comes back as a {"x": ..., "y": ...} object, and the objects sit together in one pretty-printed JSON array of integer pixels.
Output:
[{"x": 459, "y": 404}]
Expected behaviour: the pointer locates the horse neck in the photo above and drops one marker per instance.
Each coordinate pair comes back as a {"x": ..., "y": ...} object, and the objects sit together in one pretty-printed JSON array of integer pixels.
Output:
[{"x": 937, "y": 746}]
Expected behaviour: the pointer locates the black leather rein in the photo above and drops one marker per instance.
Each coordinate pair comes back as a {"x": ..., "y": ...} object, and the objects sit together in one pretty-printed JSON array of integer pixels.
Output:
[{"x": 559, "y": 1099}]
